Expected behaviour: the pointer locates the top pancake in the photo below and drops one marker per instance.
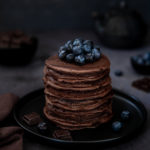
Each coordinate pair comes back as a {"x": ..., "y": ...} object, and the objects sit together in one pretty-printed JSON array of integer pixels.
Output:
[{"x": 56, "y": 64}]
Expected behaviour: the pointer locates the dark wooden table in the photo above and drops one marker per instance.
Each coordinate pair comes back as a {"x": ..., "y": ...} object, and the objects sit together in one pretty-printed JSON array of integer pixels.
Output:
[{"x": 21, "y": 80}]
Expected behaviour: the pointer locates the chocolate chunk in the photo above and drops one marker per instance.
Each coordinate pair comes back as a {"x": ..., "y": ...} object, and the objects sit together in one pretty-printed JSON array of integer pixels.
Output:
[
  {"x": 62, "y": 134},
  {"x": 142, "y": 84},
  {"x": 32, "y": 118}
]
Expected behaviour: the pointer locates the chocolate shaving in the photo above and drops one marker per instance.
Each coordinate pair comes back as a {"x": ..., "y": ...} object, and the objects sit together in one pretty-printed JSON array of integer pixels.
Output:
[{"x": 142, "y": 84}]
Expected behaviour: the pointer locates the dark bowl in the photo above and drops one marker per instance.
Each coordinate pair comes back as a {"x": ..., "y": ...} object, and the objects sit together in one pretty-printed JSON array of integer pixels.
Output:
[
  {"x": 18, "y": 56},
  {"x": 142, "y": 69}
]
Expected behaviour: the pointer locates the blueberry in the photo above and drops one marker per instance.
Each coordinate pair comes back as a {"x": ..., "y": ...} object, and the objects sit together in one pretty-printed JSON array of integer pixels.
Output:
[
  {"x": 88, "y": 42},
  {"x": 89, "y": 57},
  {"x": 125, "y": 115},
  {"x": 62, "y": 54},
  {"x": 118, "y": 73},
  {"x": 117, "y": 126},
  {"x": 80, "y": 59},
  {"x": 77, "y": 50},
  {"x": 42, "y": 127},
  {"x": 70, "y": 57},
  {"x": 87, "y": 48},
  {"x": 69, "y": 45},
  {"x": 96, "y": 53},
  {"x": 140, "y": 61},
  {"x": 146, "y": 56},
  {"x": 77, "y": 42},
  {"x": 62, "y": 48}
]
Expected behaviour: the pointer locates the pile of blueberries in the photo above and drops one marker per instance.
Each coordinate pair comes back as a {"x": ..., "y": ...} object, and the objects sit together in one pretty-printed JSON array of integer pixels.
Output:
[
  {"x": 118, "y": 125},
  {"x": 79, "y": 51},
  {"x": 142, "y": 59}
]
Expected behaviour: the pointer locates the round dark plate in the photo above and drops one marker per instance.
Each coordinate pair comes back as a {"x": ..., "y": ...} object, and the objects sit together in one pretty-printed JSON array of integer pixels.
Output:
[{"x": 104, "y": 134}]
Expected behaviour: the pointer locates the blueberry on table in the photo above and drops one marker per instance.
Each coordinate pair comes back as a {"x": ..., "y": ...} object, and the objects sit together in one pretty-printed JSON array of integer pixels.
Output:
[
  {"x": 62, "y": 54},
  {"x": 77, "y": 42},
  {"x": 70, "y": 57},
  {"x": 87, "y": 48},
  {"x": 118, "y": 73},
  {"x": 80, "y": 59},
  {"x": 96, "y": 53},
  {"x": 89, "y": 57},
  {"x": 77, "y": 50},
  {"x": 42, "y": 127},
  {"x": 117, "y": 126},
  {"x": 125, "y": 115}
]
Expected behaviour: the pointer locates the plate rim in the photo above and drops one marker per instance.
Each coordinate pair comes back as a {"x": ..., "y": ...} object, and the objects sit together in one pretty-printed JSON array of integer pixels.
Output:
[{"x": 139, "y": 104}]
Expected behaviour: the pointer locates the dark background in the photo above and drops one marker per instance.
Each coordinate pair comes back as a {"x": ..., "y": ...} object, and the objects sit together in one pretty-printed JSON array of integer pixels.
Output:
[{"x": 43, "y": 15}]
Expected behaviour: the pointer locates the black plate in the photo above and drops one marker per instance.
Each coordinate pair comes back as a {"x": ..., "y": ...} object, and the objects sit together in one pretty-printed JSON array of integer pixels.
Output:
[{"x": 101, "y": 135}]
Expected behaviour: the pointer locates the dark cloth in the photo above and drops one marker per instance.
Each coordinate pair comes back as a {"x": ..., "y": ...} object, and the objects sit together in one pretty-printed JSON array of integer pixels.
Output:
[{"x": 10, "y": 136}]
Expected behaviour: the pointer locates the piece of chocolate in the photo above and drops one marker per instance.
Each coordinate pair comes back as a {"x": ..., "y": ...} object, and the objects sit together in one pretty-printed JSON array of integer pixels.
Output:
[
  {"x": 32, "y": 118},
  {"x": 62, "y": 134},
  {"x": 142, "y": 84}
]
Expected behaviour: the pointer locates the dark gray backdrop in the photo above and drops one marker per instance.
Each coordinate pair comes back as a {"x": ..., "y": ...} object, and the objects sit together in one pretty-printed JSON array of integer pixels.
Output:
[{"x": 43, "y": 15}]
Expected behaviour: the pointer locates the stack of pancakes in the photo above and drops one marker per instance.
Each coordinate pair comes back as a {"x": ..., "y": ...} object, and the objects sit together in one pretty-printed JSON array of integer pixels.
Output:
[{"x": 77, "y": 97}]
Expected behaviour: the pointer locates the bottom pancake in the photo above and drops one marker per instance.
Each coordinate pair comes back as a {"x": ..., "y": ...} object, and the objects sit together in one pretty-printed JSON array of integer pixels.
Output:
[{"x": 66, "y": 123}]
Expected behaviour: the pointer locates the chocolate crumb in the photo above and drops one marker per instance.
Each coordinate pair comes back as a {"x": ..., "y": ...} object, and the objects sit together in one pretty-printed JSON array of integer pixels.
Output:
[
  {"x": 62, "y": 134},
  {"x": 142, "y": 84}
]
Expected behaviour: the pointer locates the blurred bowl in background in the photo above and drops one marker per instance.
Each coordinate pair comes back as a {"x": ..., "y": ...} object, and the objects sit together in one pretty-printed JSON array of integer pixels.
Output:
[
  {"x": 120, "y": 27},
  {"x": 16, "y": 48}
]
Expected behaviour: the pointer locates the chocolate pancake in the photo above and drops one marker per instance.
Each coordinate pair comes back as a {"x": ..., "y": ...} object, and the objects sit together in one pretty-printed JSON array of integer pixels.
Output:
[
  {"x": 77, "y": 97},
  {"x": 74, "y": 105},
  {"x": 54, "y": 63},
  {"x": 81, "y": 87},
  {"x": 69, "y": 78},
  {"x": 71, "y": 124}
]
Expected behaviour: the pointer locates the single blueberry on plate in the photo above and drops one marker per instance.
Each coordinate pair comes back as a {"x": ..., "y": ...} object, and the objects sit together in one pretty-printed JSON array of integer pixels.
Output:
[
  {"x": 118, "y": 73},
  {"x": 42, "y": 127},
  {"x": 80, "y": 59},
  {"x": 87, "y": 48},
  {"x": 146, "y": 56},
  {"x": 62, "y": 54},
  {"x": 96, "y": 53},
  {"x": 70, "y": 57},
  {"x": 77, "y": 42},
  {"x": 125, "y": 115},
  {"x": 77, "y": 50},
  {"x": 69, "y": 45},
  {"x": 89, "y": 57},
  {"x": 88, "y": 42},
  {"x": 117, "y": 126}
]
